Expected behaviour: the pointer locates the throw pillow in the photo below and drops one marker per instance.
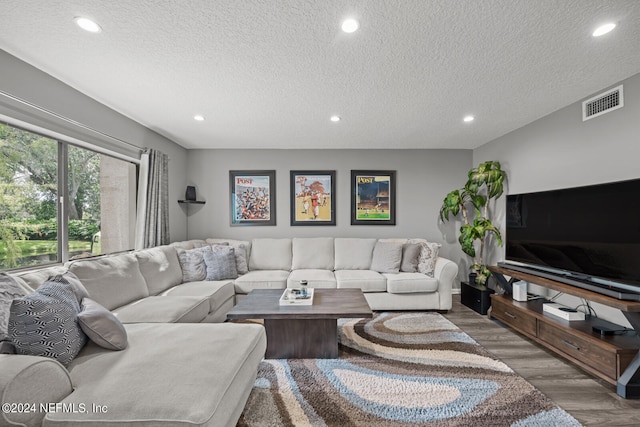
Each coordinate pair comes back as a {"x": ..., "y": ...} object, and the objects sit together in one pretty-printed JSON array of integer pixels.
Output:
[
  {"x": 428, "y": 257},
  {"x": 70, "y": 279},
  {"x": 9, "y": 290},
  {"x": 410, "y": 256},
  {"x": 101, "y": 326},
  {"x": 221, "y": 263},
  {"x": 192, "y": 263},
  {"x": 7, "y": 348},
  {"x": 387, "y": 257},
  {"x": 242, "y": 264},
  {"x": 45, "y": 323}
]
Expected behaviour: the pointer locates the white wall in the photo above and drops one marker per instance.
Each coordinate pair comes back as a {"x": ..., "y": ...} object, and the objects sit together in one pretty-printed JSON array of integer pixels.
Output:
[
  {"x": 560, "y": 150},
  {"x": 30, "y": 84},
  {"x": 424, "y": 177}
]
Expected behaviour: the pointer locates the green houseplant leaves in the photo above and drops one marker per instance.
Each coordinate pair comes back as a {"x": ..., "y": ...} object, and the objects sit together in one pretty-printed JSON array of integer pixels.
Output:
[{"x": 484, "y": 183}]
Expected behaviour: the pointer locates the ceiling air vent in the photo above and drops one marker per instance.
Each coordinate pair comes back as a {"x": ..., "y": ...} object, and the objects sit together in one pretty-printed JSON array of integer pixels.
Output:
[{"x": 603, "y": 103}]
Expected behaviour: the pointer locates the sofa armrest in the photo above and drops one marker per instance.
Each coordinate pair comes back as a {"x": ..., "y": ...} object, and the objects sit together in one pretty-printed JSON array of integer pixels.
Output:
[
  {"x": 446, "y": 272},
  {"x": 25, "y": 383}
]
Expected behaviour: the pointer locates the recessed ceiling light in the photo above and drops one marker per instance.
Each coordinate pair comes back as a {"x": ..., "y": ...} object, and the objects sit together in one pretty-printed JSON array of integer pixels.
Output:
[
  {"x": 88, "y": 25},
  {"x": 198, "y": 118},
  {"x": 603, "y": 29},
  {"x": 350, "y": 25},
  {"x": 468, "y": 119},
  {"x": 335, "y": 118}
]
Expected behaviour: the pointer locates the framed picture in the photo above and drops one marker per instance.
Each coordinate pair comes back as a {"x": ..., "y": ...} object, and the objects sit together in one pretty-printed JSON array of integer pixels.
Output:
[
  {"x": 313, "y": 199},
  {"x": 373, "y": 197},
  {"x": 253, "y": 197}
]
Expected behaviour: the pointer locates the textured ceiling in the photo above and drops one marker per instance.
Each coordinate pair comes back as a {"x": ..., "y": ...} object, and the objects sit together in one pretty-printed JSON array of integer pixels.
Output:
[{"x": 270, "y": 73}]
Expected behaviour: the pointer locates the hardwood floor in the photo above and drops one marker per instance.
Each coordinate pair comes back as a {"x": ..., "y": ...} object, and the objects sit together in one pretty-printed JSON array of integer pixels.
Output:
[{"x": 591, "y": 401}]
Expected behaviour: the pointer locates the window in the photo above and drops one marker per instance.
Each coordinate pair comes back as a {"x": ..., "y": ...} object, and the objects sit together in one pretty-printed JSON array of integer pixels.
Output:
[{"x": 37, "y": 172}]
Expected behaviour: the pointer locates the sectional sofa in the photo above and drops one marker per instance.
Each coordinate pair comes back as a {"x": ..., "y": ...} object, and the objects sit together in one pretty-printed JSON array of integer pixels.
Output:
[
  {"x": 373, "y": 265},
  {"x": 182, "y": 365}
]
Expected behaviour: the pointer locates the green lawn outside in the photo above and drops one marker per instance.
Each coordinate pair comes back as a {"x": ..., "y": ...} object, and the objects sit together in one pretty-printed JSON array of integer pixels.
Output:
[{"x": 32, "y": 248}]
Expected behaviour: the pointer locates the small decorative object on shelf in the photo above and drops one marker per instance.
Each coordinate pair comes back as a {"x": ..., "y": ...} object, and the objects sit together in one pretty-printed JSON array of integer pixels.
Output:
[
  {"x": 295, "y": 297},
  {"x": 190, "y": 194}
]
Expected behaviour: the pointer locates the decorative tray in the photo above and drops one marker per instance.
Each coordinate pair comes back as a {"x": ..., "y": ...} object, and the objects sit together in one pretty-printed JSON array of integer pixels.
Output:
[{"x": 294, "y": 297}]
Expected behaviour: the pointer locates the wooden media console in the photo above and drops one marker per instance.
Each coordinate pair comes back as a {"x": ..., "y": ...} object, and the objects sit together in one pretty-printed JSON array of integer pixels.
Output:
[{"x": 614, "y": 358}]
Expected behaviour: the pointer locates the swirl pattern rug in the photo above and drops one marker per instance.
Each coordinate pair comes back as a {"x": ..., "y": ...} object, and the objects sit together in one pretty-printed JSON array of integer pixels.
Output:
[{"x": 398, "y": 369}]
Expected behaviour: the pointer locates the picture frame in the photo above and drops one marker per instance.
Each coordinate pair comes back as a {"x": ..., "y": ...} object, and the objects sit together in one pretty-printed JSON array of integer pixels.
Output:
[
  {"x": 373, "y": 197},
  {"x": 313, "y": 197},
  {"x": 252, "y": 197}
]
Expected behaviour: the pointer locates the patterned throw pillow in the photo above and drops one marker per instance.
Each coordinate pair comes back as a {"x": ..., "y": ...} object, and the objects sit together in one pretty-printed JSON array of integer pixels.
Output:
[
  {"x": 192, "y": 263},
  {"x": 9, "y": 290},
  {"x": 221, "y": 263},
  {"x": 428, "y": 258},
  {"x": 102, "y": 326},
  {"x": 45, "y": 323},
  {"x": 70, "y": 279}
]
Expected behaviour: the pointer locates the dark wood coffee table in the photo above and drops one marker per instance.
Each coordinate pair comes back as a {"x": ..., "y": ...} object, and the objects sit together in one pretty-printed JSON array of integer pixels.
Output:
[{"x": 302, "y": 331}]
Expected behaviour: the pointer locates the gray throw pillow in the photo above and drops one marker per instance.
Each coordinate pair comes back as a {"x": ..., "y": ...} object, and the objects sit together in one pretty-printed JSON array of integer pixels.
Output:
[
  {"x": 410, "y": 255},
  {"x": 242, "y": 263},
  {"x": 387, "y": 257},
  {"x": 101, "y": 326},
  {"x": 192, "y": 263},
  {"x": 428, "y": 257},
  {"x": 221, "y": 263},
  {"x": 45, "y": 323},
  {"x": 9, "y": 290}
]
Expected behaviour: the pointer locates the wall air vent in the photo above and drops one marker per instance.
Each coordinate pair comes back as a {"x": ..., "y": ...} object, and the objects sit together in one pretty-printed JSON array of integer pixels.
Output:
[{"x": 602, "y": 103}]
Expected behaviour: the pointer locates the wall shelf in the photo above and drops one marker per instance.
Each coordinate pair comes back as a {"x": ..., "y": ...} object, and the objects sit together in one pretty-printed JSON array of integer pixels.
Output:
[{"x": 196, "y": 202}]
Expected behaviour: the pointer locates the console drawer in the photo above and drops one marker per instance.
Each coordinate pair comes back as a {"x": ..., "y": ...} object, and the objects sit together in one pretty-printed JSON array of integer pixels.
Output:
[
  {"x": 513, "y": 316},
  {"x": 587, "y": 351}
]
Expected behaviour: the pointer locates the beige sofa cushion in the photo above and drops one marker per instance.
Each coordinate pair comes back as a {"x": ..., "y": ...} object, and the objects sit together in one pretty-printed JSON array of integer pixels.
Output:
[
  {"x": 313, "y": 253},
  {"x": 366, "y": 280},
  {"x": 218, "y": 292},
  {"x": 270, "y": 254},
  {"x": 112, "y": 281},
  {"x": 161, "y": 309},
  {"x": 34, "y": 380},
  {"x": 189, "y": 244},
  {"x": 353, "y": 253},
  {"x": 261, "y": 279},
  {"x": 160, "y": 268},
  {"x": 315, "y": 278},
  {"x": 170, "y": 375},
  {"x": 35, "y": 278},
  {"x": 405, "y": 283}
]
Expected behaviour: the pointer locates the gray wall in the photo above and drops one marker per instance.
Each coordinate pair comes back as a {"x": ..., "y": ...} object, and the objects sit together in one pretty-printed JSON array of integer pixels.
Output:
[
  {"x": 28, "y": 83},
  {"x": 560, "y": 150},
  {"x": 424, "y": 177}
]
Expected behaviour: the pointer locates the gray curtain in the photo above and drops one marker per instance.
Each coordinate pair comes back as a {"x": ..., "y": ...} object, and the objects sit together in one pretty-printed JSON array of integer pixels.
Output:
[{"x": 152, "y": 225}]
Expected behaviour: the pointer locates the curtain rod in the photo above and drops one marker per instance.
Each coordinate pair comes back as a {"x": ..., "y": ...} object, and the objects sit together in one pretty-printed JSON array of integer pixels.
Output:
[{"x": 68, "y": 120}]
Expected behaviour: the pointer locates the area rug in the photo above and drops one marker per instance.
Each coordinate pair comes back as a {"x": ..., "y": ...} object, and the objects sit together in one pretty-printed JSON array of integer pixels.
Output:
[{"x": 398, "y": 369}]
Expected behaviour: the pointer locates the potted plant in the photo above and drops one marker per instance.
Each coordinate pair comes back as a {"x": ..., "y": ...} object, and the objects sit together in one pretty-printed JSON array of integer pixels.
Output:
[{"x": 484, "y": 184}]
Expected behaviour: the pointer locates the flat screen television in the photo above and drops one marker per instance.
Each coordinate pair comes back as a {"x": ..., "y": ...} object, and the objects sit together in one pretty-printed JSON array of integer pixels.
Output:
[{"x": 584, "y": 236}]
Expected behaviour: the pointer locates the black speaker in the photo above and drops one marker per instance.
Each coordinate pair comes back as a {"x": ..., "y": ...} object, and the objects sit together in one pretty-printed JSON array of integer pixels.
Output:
[
  {"x": 476, "y": 297},
  {"x": 190, "y": 194}
]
